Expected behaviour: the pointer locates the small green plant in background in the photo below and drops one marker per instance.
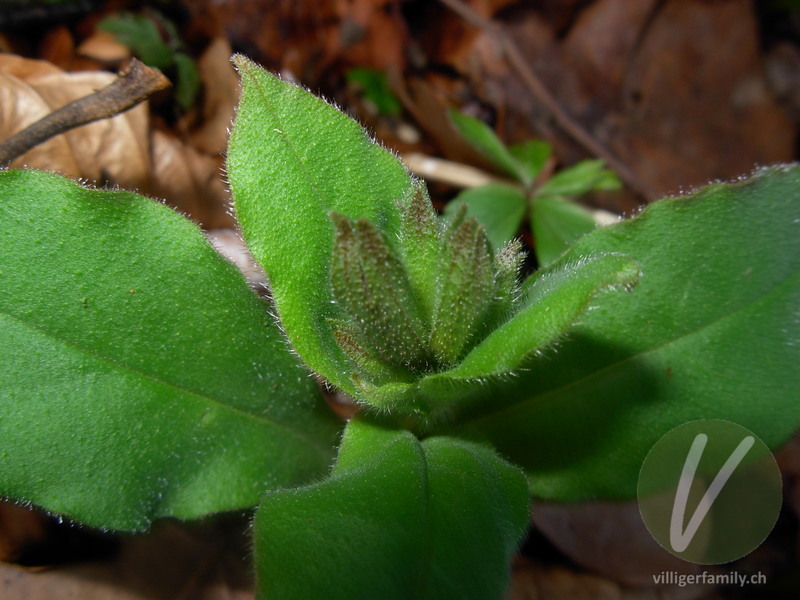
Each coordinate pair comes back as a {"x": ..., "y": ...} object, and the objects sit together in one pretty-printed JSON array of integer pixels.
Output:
[
  {"x": 555, "y": 220},
  {"x": 374, "y": 86},
  {"x": 141, "y": 378},
  {"x": 155, "y": 41}
]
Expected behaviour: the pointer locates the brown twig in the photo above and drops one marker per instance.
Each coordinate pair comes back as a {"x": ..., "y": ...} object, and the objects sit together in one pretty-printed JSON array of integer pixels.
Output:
[
  {"x": 540, "y": 92},
  {"x": 135, "y": 82}
]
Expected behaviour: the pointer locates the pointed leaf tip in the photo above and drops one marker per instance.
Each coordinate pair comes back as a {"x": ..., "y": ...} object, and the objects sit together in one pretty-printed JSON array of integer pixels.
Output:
[
  {"x": 292, "y": 160},
  {"x": 241, "y": 62}
]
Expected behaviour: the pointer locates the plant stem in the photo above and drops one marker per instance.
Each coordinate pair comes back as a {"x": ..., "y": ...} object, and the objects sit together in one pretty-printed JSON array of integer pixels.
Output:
[{"x": 135, "y": 83}]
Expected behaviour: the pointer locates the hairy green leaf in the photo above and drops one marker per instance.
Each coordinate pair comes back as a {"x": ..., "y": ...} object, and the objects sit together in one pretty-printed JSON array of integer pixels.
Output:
[
  {"x": 552, "y": 302},
  {"x": 292, "y": 160},
  {"x": 141, "y": 377},
  {"x": 467, "y": 288},
  {"x": 369, "y": 282},
  {"x": 711, "y": 331},
  {"x": 397, "y": 519},
  {"x": 421, "y": 247}
]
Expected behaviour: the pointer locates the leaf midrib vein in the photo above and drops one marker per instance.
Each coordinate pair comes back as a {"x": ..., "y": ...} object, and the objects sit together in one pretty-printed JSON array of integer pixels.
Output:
[
  {"x": 205, "y": 398},
  {"x": 312, "y": 183},
  {"x": 540, "y": 399}
]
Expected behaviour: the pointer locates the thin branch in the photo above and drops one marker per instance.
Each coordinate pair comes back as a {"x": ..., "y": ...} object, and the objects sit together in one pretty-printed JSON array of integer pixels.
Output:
[
  {"x": 135, "y": 82},
  {"x": 540, "y": 92}
]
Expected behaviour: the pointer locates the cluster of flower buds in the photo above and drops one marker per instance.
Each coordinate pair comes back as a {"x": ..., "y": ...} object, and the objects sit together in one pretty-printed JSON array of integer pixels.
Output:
[{"x": 418, "y": 302}]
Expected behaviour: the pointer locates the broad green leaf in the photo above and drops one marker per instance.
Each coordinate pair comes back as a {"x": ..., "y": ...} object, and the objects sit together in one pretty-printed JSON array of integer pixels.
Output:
[
  {"x": 556, "y": 224},
  {"x": 140, "y": 377},
  {"x": 531, "y": 156},
  {"x": 398, "y": 520},
  {"x": 496, "y": 206},
  {"x": 710, "y": 331},
  {"x": 292, "y": 160},
  {"x": 553, "y": 300},
  {"x": 583, "y": 177},
  {"x": 485, "y": 141}
]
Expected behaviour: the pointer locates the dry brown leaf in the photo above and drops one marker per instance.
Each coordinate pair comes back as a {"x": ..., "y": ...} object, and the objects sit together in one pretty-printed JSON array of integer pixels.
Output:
[
  {"x": 609, "y": 538},
  {"x": 190, "y": 180},
  {"x": 120, "y": 151},
  {"x": 104, "y": 48},
  {"x": 309, "y": 38},
  {"x": 674, "y": 89},
  {"x": 538, "y": 582},
  {"x": 368, "y": 34},
  {"x": 220, "y": 96},
  {"x": 604, "y": 40},
  {"x": 115, "y": 149},
  {"x": 25, "y": 67},
  {"x": 205, "y": 562},
  {"x": 19, "y": 528},
  {"x": 21, "y": 105},
  {"x": 57, "y": 46},
  {"x": 678, "y": 93}
]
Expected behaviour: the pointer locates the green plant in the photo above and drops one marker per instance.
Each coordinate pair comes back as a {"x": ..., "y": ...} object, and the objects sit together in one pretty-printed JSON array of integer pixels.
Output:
[
  {"x": 556, "y": 222},
  {"x": 141, "y": 377},
  {"x": 375, "y": 88},
  {"x": 155, "y": 40}
]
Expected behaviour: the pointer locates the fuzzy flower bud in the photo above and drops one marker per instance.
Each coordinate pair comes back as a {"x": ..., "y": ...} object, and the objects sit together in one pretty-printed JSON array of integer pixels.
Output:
[{"x": 420, "y": 306}]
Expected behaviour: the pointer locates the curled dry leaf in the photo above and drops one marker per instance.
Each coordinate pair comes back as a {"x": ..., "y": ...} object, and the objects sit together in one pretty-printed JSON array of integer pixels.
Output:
[
  {"x": 120, "y": 151},
  {"x": 114, "y": 150}
]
